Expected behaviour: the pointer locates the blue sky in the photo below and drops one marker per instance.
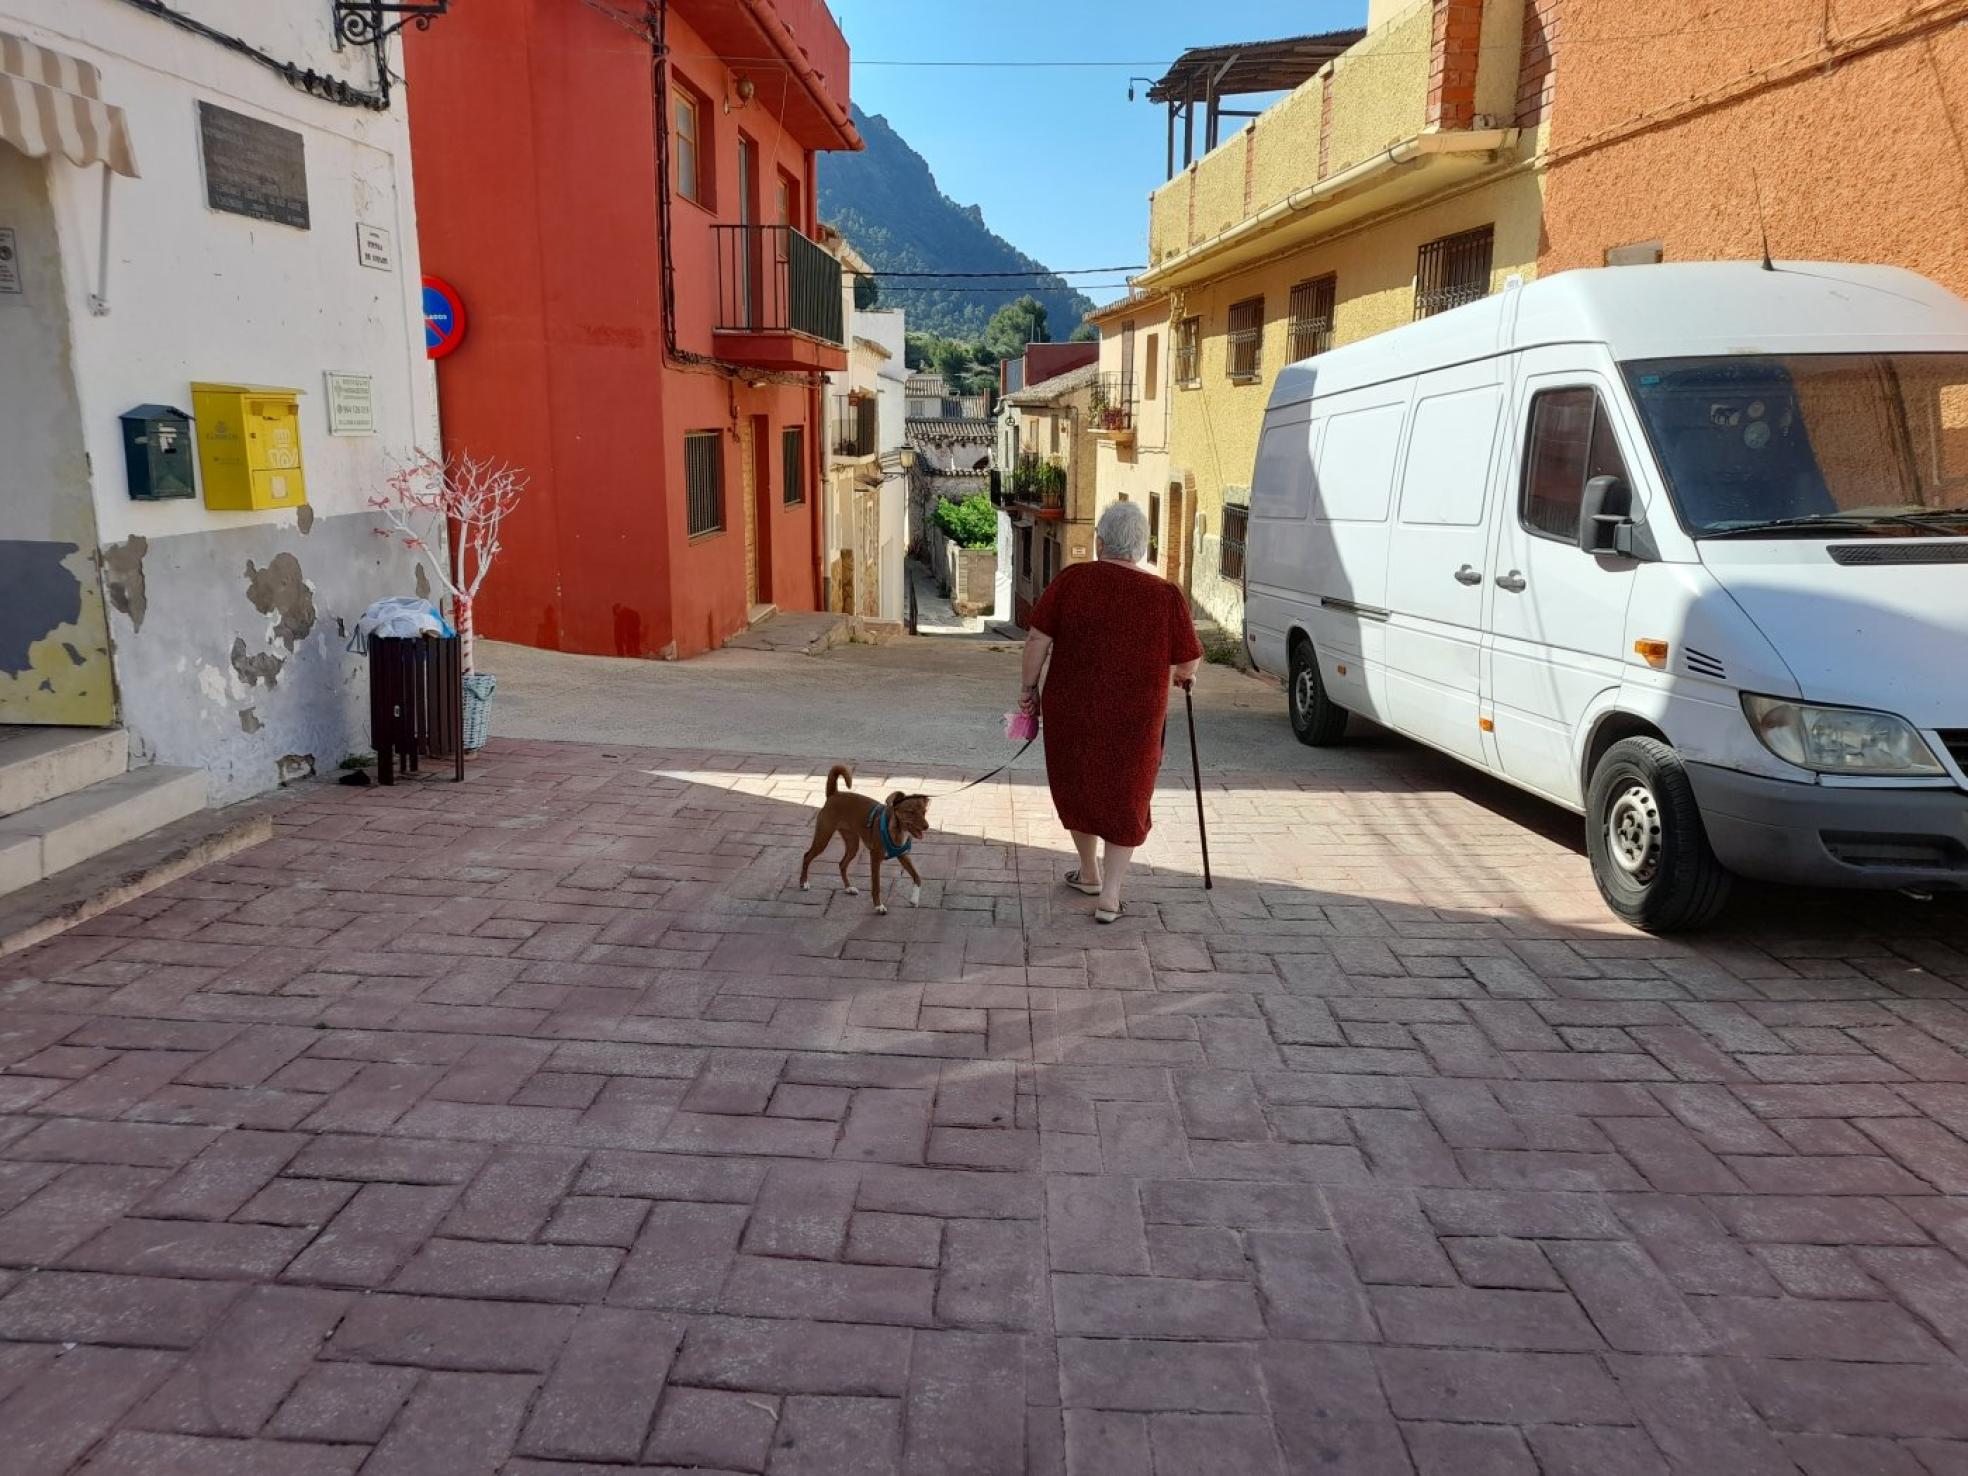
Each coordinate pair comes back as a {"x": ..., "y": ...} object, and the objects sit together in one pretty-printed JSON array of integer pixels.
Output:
[{"x": 1058, "y": 158}]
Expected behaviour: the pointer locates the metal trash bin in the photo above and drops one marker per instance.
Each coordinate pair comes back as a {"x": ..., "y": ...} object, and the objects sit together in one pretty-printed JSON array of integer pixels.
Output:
[{"x": 416, "y": 703}]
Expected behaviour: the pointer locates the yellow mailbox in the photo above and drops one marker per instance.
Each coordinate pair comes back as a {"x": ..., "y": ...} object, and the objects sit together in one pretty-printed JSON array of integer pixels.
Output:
[{"x": 249, "y": 445}]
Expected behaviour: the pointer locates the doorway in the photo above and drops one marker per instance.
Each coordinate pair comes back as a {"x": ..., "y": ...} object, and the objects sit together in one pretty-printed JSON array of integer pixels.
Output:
[
  {"x": 758, "y": 520},
  {"x": 54, "y": 634}
]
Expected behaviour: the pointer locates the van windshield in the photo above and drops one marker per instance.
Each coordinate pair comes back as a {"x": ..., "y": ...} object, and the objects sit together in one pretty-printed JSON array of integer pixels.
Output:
[{"x": 1788, "y": 445}]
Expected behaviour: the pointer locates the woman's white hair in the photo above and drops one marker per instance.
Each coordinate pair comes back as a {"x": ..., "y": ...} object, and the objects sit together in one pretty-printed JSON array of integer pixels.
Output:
[{"x": 1122, "y": 532}]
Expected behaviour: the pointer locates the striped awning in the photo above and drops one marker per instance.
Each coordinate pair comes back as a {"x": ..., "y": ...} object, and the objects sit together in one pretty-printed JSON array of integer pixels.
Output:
[{"x": 52, "y": 104}]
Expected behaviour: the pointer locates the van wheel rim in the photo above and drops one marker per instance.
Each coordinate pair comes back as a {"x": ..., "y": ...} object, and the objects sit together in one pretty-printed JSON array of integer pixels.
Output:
[
  {"x": 1633, "y": 833},
  {"x": 1303, "y": 692}
]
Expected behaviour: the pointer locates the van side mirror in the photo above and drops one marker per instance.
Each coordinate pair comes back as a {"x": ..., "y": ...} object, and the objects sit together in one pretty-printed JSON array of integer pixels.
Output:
[{"x": 1605, "y": 522}]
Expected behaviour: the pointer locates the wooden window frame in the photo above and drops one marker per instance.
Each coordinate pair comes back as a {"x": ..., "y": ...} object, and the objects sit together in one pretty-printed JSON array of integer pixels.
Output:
[
  {"x": 1189, "y": 352},
  {"x": 792, "y": 465},
  {"x": 703, "y": 192}
]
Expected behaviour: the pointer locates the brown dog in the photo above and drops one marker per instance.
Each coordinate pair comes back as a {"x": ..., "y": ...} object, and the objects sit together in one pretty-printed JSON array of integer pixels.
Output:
[{"x": 886, "y": 829}]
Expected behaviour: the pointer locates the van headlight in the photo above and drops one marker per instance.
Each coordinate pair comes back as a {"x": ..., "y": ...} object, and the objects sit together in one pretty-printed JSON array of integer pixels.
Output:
[{"x": 1840, "y": 740}]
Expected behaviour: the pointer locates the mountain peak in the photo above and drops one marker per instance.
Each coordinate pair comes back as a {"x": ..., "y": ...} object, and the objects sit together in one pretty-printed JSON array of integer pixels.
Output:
[{"x": 886, "y": 202}]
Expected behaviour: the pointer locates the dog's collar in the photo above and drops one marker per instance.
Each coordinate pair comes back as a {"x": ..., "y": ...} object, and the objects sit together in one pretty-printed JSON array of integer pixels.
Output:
[{"x": 879, "y": 815}]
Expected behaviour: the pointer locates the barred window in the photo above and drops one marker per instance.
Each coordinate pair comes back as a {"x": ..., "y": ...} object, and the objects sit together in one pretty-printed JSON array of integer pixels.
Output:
[
  {"x": 1453, "y": 271},
  {"x": 1188, "y": 351},
  {"x": 1312, "y": 317},
  {"x": 703, "y": 481},
  {"x": 1245, "y": 356},
  {"x": 792, "y": 464},
  {"x": 1236, "y": 519}
]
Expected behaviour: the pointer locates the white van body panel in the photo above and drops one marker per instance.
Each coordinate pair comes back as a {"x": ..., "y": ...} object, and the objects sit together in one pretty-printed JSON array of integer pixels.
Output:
[{"x": 1356, "y": 544}]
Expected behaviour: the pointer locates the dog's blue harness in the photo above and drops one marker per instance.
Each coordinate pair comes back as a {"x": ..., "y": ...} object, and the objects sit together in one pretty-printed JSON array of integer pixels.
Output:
[{"x": 879, "y": 818}]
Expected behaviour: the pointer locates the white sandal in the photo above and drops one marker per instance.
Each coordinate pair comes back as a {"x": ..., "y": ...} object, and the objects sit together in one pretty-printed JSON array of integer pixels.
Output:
[
  {"x": 1091, "y": 889},
  {"x": 1102, "y": 915}
]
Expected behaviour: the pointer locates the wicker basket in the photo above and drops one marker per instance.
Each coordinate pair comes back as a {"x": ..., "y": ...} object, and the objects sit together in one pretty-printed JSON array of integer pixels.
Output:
[{"x": 479, "y": 687}]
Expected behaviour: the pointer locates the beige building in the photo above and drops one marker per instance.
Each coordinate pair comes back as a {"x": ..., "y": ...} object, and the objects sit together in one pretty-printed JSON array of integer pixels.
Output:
[
  {"x": 1130, "y": 415},
  {"x": 1048, "y": 442},
  {"x": 1399, "y": 177},
  {"x": 866, "y": 516}
]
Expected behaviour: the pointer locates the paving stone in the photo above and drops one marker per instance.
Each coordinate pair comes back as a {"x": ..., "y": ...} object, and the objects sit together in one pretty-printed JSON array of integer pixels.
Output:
[
  {"x": 343, "y": 1402},
  {"x": 795, "y": 1357},
  {"x": 1468, "y": 1450},
  {"x": 454, "y": 1422},
  {"x": 449, "y": 1333},
  {"x": 1147, "y": 1374},
  {"x": 895, "y": 1240},
  {"x": 382, "y": 1227},
  {"x": 126, "y": 1311},
  {"x": 1154, "y": 1307},
  {"x": 681, "y": 1258},
  {"x": 965, "y": 1414},
  {"x": 1095, "y": 1225},
  {"x": 1499, "y": 1388},
  {"x": 714, "y": 1428},
  {"x": 49, "y": 1421},
  {"x": 70, "y": 1208},
  {"x": 991, "y": 1274},
  {"x": 134, "y": 1454},
  {"x": 246, "y": 1365},
  {"x": 601, "y": 1398},
  {"x": 1595, "y": 1450},
  {"x": 535, "y": 1273},
  {"x": 759, "y": 1287}
]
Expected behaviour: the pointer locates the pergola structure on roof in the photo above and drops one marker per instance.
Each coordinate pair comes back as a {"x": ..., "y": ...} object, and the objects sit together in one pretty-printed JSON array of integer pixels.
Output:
[{"x": 1208, "y": 74}]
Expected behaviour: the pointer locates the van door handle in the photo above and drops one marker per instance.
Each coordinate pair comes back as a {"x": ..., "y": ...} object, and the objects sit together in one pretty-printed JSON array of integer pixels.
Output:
[
  {"x": 1467, "y": 575},
  {"x": 1513, "y": 581}
]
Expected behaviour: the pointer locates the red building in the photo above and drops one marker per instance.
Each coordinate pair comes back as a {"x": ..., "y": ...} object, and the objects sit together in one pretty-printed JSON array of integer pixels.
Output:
[{"x": 622, "y": 195}]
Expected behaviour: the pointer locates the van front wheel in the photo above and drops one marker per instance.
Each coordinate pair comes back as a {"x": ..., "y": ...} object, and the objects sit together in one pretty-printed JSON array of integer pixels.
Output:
[
  {"x": 1315, "y": 717},
  {"x": 1643, "y": 831}
]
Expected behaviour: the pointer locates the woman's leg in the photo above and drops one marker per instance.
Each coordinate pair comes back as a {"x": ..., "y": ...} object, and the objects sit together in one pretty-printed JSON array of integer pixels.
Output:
[
  {"x": 1113, "y": 869},
  {"x": 1089, "y": 848}
]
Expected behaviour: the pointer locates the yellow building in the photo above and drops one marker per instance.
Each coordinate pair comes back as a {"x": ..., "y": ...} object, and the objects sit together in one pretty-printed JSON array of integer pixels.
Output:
[
  {"x": 1130, "y": 419},
  {"x": 1400, "y": 178}
]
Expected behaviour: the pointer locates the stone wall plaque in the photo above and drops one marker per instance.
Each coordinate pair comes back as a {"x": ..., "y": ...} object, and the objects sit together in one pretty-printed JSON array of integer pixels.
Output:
[{"x": 252, "y": 167}]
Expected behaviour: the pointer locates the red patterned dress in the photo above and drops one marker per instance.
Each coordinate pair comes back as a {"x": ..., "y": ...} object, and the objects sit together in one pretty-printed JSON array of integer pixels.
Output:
[{"x": 1116, "y": 630}]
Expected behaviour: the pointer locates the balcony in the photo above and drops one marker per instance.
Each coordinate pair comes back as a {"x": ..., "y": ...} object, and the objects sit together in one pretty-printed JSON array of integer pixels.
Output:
[
  {"x": 857, "y": 421},
  {"x": 1038, "y": 485},
  {"x": 1111, "y": 413},
  {"x": 778, "y": 300}
]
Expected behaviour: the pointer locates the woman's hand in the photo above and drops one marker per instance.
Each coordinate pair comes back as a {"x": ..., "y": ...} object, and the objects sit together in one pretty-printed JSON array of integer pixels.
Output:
[{"x": 1028, "y": 701}]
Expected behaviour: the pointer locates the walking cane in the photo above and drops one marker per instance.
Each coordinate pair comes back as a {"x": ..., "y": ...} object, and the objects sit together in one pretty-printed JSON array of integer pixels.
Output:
[{"x": 1196, "y": 768}]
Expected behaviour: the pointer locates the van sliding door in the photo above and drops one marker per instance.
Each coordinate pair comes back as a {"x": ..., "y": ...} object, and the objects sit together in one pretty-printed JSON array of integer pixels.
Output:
[{"x": 1436, "y": 588}]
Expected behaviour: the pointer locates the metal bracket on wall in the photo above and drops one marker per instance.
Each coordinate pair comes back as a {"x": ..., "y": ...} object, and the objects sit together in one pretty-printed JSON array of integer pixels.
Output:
[{"x": 362, "y": 22}]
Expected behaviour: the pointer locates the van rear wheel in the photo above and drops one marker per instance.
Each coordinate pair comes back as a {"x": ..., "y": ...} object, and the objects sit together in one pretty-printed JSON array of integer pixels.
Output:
[
  {"x": 1643, "y": 831},
  {"x": 1315, "y": 717}
]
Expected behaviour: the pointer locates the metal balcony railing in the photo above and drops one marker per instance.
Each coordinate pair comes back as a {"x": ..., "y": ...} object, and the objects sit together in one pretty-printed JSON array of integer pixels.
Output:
[
  {"x": 1113, "y": 402},
  {"x": 1039, "y": 481},
  {"x": 772, "y": 279},
  {"x": 856, "y": 425}
]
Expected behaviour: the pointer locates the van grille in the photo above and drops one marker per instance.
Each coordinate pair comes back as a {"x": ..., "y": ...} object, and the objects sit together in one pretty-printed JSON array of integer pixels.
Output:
[
  {"x": 1701, "y": 663},
  {"x": 1899, "y": 852},
  {"x": 1955, "y": 740},
  {"x": 1937, "y": 552}
]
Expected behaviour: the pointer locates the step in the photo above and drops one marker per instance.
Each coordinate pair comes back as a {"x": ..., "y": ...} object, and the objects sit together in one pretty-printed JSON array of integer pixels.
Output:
[
  {"x": 38, "y": 764},
  {"x": 59, "y": 833},
  {"x": 37, "y": 913}
]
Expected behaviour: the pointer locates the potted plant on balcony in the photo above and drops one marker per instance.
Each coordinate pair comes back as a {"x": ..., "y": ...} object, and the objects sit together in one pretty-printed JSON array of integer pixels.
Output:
[
  {"x": 1052, "y": 483},
  {"x": 455, "y": 507}
]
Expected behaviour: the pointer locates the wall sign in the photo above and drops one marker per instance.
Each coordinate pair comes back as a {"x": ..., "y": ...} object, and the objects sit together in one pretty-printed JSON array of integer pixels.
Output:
[
  {"x": 444, "y": 317},
  {"x": 10, "y": 280},
  {"x": 351, "y": 404},
  {"x": 373, "y": 249},
  {"x": 253, "y": 168}
]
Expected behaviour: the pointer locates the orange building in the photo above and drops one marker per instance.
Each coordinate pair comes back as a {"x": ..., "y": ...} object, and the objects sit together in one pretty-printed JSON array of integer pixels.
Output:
[
  {"x": 1849, "y": 122},
  {"x": 622, "y": 195}
]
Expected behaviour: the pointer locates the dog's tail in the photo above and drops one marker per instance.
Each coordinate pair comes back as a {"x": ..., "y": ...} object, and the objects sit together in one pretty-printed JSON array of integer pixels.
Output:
[{"x": 838, "y": 775}]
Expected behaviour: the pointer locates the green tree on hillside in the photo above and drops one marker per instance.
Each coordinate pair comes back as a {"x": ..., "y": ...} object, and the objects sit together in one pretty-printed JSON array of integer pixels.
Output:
[{"x": 1014, "y": 325}]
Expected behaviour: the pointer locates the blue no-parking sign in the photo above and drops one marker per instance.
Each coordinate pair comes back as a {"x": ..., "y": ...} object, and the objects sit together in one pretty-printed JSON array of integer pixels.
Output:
[{"x": 444, "y": 317}]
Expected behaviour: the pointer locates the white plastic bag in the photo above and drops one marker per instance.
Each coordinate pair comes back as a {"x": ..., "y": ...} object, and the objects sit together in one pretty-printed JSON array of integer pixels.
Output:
[{"x": 400, "y": 615}]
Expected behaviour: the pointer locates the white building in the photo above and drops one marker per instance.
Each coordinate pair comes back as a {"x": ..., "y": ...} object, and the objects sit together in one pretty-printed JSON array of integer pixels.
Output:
[
  {"x": 868, "y": 460},
  {"x": 181, "y": 211}
]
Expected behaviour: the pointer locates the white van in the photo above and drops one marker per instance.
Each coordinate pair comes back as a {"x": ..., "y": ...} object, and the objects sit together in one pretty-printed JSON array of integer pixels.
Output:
[{"x": 1683, "y": 548}]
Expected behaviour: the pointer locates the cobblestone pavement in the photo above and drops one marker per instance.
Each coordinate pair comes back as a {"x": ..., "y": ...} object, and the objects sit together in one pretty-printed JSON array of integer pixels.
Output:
[{"x": 538, "y": 1126}]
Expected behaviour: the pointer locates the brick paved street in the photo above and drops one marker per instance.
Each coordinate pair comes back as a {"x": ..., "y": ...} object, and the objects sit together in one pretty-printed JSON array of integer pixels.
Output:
[{"x": 540, "y": 1126}]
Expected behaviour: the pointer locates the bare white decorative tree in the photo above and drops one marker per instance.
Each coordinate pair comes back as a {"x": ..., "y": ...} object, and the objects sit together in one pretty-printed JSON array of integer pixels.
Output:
[{"x": 455, "y": 504}]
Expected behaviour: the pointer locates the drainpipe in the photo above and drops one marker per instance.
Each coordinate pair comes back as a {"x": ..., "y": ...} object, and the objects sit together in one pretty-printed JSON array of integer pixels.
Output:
[{"x": 815, "y": 402}]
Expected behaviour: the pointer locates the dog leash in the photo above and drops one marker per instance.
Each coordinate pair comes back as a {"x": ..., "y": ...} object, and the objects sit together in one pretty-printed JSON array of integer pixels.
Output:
[{"x": 997, "y": 771}]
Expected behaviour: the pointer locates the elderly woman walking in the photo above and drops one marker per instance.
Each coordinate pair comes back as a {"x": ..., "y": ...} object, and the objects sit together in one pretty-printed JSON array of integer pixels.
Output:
[{"x": 1111, "y": 639}]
